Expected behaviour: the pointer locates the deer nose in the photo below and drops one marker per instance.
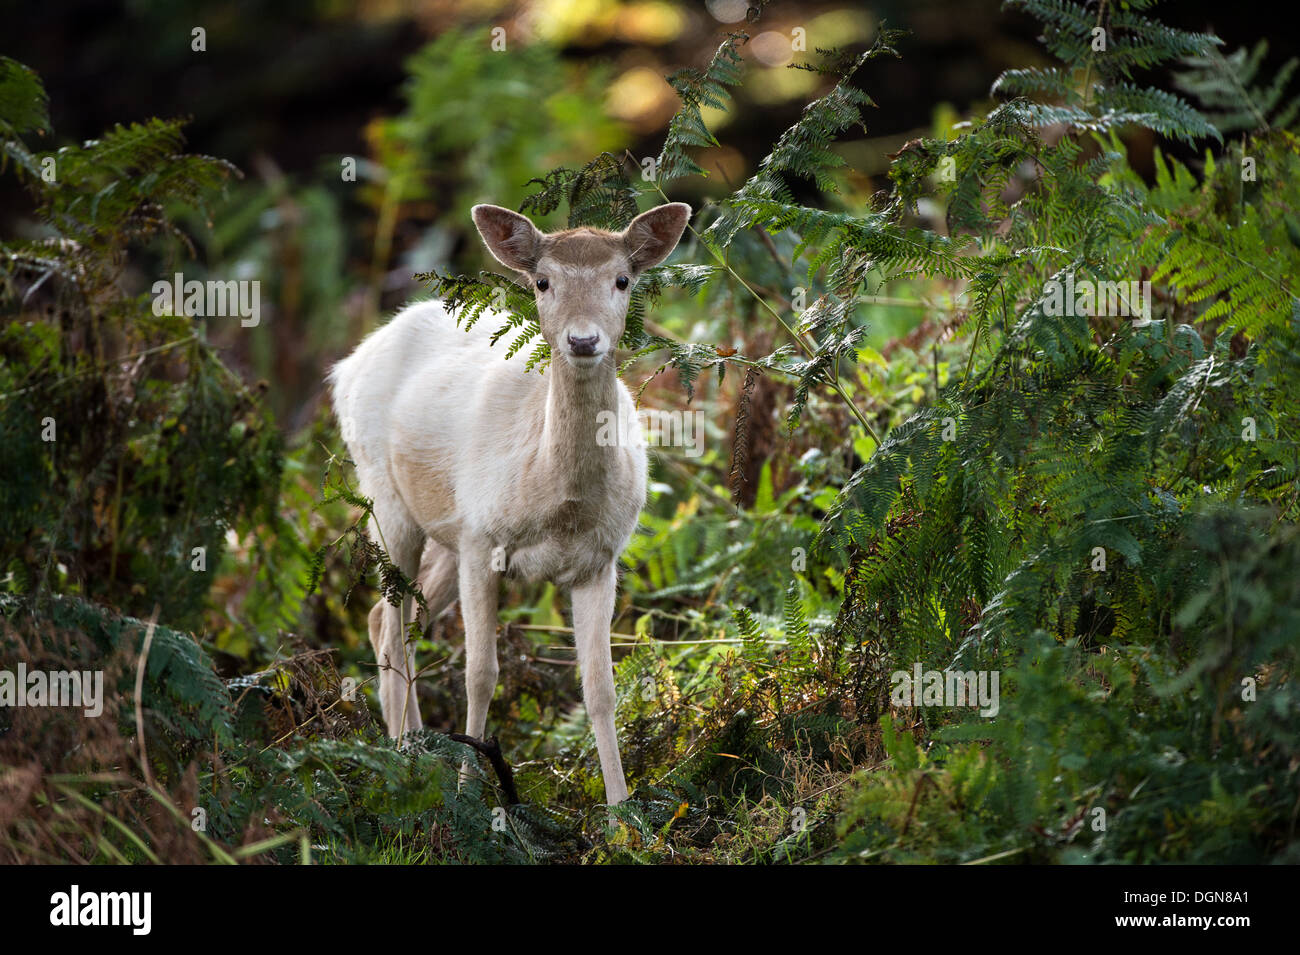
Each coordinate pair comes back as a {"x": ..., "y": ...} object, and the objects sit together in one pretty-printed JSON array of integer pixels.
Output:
[{"x": 584, "y": 346}]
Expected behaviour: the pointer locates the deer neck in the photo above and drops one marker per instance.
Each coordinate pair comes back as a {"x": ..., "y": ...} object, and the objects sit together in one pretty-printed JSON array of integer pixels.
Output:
[{"x": 577, "y": 462}]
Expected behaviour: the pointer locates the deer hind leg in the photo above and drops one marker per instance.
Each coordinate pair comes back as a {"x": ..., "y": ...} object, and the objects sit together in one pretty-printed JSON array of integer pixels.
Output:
[
  {"x": 438, "y": 580},
  {"x": 438, "y": 583},
  {"x": 388, "y": 625}
]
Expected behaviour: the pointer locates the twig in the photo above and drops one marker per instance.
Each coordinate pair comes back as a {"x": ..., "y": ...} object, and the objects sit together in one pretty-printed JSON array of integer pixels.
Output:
[
  {"x": 492, "y": 750},
  {"x": 139, "y": 692},
  {"x": 911, "y": 809},
  {"x": 552, "y": 629}
]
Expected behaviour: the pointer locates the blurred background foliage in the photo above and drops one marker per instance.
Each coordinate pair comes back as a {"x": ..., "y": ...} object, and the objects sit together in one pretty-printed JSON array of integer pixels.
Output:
[{"x": 779, "y": 576}]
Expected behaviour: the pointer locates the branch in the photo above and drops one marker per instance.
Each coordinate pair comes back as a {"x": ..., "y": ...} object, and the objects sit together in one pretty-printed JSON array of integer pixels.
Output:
[{"x": 492, "y": 750}]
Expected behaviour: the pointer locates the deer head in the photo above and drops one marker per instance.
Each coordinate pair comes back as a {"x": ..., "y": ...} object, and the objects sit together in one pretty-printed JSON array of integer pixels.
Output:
[{"x": 582, "y": 278}]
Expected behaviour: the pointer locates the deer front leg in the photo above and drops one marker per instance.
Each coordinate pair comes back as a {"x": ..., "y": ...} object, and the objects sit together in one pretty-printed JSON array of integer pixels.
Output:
[
  {"x": 479, "y": 584},
  {"x": 593, "y": 606}
]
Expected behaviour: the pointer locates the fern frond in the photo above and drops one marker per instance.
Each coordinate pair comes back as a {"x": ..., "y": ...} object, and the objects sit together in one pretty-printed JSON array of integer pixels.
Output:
[{"x": 697, "y": 89}]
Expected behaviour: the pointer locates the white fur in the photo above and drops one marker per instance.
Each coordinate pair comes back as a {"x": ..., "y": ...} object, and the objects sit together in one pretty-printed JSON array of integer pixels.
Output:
[
  {"x": 422, "y": 397},
  {"x": 485, "y": 468}
]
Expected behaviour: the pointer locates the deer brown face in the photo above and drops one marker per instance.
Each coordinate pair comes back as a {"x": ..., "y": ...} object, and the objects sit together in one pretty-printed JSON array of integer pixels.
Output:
[{"x": 582, "y": 278}]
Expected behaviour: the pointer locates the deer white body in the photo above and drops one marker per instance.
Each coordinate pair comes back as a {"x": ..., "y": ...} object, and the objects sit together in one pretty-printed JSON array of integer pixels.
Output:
[{"x": 487, "y": 469}]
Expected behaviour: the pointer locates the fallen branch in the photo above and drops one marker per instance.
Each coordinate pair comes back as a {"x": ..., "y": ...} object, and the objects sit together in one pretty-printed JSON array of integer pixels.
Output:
[{"x": 492, "y": 750}]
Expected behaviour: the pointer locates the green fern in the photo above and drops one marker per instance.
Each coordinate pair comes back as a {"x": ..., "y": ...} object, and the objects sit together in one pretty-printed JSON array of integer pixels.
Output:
[{"x": 1225, "y": 84}]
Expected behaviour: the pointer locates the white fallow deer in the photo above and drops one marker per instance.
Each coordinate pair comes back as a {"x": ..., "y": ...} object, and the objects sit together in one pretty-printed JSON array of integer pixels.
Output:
[{"x": 482, "y": 468}]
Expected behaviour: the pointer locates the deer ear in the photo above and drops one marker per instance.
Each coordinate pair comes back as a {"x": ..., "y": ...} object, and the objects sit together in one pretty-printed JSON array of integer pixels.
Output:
[
  {"x": 510, "y": 237},
  {"x": 651, "y": 237}
]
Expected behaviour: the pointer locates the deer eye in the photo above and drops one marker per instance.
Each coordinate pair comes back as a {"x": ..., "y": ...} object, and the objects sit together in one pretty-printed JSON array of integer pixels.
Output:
[
  {"x": 543, "y": 285},
  {"x": 621, "y": 282}
]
